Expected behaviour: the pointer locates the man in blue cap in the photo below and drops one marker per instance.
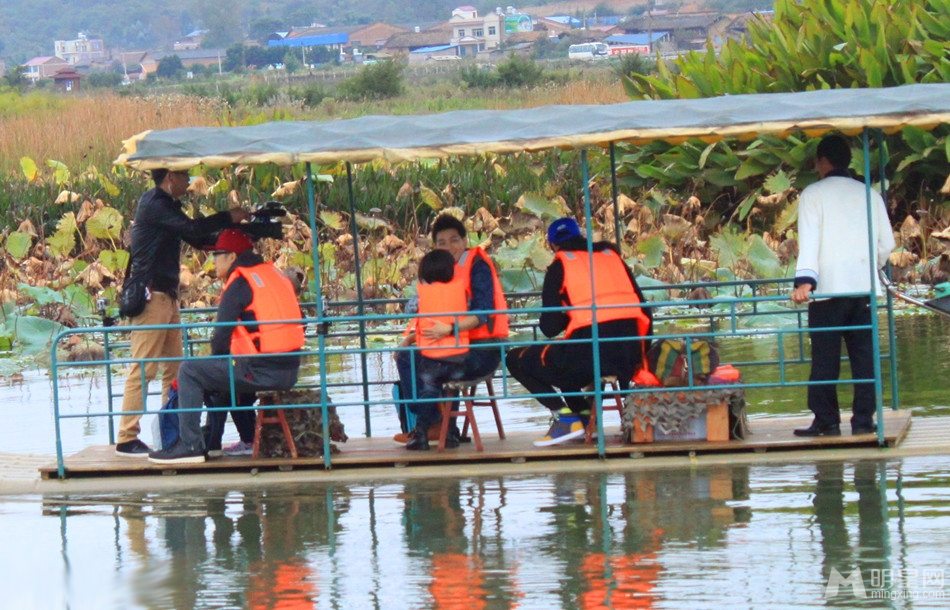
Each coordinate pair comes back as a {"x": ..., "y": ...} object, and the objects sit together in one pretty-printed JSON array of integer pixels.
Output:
[{"x": 569, "y": 365}]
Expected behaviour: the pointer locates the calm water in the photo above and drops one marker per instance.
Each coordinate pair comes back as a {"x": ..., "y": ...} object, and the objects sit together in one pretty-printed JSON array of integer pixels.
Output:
[
  {"x": 743, "y": 537},
  {"x": 750, "y": 537}
]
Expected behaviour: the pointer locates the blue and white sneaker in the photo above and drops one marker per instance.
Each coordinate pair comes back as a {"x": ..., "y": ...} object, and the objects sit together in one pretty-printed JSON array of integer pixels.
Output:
[{"x": 565, "y": 428}]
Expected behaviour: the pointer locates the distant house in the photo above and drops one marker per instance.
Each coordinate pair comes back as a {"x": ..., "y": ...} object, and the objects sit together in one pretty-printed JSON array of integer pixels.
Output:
[
  {"x": 474, "y": 34},
  {"x": 190, "y": 42},
  {"x": 407, "y": 42},
  {"x": 445, "y": 52},
  {"x": 80, "y": 52},
  {"x": 372, "y": 37},
  {"x": 43, "y": 67},
  {"x": 315, "y": 36},
  {"x": 684, "y": 29},
  {"x": 136, "y": 65},
  {"x": 637, "y": 43},
  {"x": 196, "y": 57},
  {"x": 66, "y": 80}
]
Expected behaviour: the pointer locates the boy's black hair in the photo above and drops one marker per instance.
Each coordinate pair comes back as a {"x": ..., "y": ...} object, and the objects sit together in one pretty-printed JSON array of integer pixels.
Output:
[
  {"x": 158, "y": 175},
  {"x": 447, "y": 221},
  {"x": 836, "y": 150},
  {"x": 437, "y": 266}
]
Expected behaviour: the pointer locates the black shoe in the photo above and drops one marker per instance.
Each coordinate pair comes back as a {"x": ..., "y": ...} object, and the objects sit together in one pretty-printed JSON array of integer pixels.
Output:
[
  {"x": 818, "y": 430},
  {"x": 418, "y": 440},
  {"x": 177, "y": 454},
  {"x": 856, "y": 430},
  {"x": 453, "y": 438},
  {"x": 132, "y": 449}
]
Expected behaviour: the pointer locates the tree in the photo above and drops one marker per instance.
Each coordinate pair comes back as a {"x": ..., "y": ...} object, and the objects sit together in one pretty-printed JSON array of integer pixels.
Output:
[
  {"x": 262, "y": 27},
  {"x": 15, "y": 78},
  {"x": 169, "y": 66}
]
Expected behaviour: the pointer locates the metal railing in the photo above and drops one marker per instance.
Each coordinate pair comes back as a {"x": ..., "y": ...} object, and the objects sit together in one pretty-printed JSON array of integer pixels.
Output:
[{"x": 715, "y": 319}]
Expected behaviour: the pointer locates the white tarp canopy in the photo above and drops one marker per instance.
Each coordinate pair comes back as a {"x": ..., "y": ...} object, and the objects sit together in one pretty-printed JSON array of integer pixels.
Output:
[{"x": 473, "y": 132}]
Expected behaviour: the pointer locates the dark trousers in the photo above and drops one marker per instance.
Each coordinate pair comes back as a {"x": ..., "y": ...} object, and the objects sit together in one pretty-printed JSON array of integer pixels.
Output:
[
  {"x": 421, "y": 378},
  {"x": 543, "y": 369},
  {"x": 826, "y": 358},
  {"x": 244, "y": 420},
  {"x": 195, "y": 377}
]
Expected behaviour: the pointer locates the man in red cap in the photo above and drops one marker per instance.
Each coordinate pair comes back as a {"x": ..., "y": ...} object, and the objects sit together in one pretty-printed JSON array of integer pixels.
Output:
[{"x": 260, "y": 349}]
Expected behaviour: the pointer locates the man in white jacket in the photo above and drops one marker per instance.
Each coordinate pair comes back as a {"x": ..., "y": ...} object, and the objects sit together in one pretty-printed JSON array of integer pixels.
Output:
[{"x": 833, "y": 260}]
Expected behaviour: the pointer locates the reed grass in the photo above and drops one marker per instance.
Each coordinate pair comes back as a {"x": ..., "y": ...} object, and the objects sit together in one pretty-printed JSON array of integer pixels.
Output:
[{"x": 89, "y": 130}]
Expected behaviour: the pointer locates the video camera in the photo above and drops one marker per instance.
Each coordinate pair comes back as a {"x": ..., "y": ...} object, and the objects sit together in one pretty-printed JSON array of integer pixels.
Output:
[{"x": 264, "y": 222}]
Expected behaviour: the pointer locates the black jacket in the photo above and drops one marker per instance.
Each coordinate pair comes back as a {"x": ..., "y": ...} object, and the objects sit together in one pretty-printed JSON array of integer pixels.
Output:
[{"x": 159, "y": 228}]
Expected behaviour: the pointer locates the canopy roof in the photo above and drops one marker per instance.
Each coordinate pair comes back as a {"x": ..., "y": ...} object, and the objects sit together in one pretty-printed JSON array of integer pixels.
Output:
[{"x": 473, "y": 132}]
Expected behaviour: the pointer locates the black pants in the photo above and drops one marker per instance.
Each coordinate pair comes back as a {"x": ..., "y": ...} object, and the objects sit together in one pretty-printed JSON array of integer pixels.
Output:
[
  {"x": 244, "y": 420},
  {"x": 543, "y": 369},
  {"x": 826, "y": 359},
  {"x": 423, "y": 379}
]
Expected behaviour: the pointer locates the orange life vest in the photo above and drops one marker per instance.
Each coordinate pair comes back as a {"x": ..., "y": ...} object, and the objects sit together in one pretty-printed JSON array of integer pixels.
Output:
[
  {"x": 497, "y": 325},
  {"x": 436, "y": 301},
  {"x": 273, "y": 298},
  {"x": 611, "y": 289}
]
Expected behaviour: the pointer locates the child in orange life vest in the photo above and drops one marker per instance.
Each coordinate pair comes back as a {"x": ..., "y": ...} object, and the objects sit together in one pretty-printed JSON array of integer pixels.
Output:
[{"x": 441, "y": 298}]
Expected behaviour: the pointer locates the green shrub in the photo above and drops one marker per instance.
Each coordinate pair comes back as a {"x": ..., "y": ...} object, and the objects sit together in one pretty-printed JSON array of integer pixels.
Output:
[
  {"x": 374, "y": 82},
  {"x": 519, "y": 72},
  {"x": 478, "y": 77}
]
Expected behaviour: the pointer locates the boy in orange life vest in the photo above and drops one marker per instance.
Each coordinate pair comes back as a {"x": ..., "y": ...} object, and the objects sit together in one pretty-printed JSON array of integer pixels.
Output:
[
  {"x": 254, "y": 291},
  {"x": 475, "y": 270},
  {"x": 441, "y": 295},
  {"x": 570, "y": 366}
]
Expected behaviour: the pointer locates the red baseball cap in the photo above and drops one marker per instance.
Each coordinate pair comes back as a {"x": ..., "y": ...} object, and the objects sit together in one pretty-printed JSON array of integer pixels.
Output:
[{"x": 232, "y": 240}]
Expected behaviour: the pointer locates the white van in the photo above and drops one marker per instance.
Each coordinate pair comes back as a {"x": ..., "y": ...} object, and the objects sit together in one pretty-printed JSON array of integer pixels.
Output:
[{"x": 589, "y": 51}]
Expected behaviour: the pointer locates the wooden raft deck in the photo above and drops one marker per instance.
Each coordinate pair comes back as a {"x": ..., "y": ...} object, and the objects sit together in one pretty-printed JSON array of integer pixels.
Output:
[{"x": 773, "y": 434}]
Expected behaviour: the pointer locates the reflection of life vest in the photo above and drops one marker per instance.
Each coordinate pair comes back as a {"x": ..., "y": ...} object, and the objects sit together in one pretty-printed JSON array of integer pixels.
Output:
[
  {"x": 281, "y": 584},
  {"x": 624, "y": 581},
  {"x": 273, "y": 299},
  {"x": 457, "y": 582},
  {"x": 447, "y": 299},
  {"x": 497, "y": 326},
  {"x": 612, "y": 288}
]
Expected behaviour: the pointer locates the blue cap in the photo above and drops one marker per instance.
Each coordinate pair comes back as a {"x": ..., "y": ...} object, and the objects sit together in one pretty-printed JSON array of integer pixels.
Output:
[{"x": 562, "y": 229}]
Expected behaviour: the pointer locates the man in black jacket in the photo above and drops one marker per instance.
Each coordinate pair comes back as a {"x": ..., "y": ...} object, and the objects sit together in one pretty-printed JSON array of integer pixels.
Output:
[
  {"x": 159, "y": 227},
  {"x": 262, "y": 349}
]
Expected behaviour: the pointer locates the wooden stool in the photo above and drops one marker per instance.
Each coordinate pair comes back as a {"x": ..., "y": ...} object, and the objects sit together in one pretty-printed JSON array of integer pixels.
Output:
[
  {"x": 607, "y": 380},
  {"x": 272, "y": 416},
  {"x": 465, "y": 389}
]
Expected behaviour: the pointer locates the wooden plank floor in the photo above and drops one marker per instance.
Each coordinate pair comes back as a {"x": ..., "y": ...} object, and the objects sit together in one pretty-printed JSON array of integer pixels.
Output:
[{"x": 773, "y": 434}]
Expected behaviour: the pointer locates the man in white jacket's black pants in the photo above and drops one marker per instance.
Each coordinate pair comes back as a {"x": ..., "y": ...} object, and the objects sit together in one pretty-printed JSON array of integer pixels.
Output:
[{"x": 833, "y": 260}]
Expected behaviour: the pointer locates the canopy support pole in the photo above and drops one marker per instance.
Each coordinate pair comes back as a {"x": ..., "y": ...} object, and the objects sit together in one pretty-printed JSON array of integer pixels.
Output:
[
  {"x": 872, "y": 254},
  {"x": 322, "y": 324},
  {"x": 598, "y": 410},
  {"x": 360, "y": 305},
  {"x": 613, "y": 191},
  {"x": 891, "y": 335}
]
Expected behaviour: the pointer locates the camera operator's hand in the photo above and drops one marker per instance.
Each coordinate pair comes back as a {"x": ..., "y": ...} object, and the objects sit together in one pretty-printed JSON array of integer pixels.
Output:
[{"x": 239, "y": 215}]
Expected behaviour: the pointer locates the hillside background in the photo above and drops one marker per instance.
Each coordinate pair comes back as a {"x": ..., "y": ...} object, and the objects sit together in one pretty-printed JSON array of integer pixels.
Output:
[{"x": 29, "y": 27}]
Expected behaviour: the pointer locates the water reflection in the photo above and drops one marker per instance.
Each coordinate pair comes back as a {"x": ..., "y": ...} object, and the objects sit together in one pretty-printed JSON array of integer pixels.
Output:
[
  {"x": 837, "y": 549},
  {"x": 695, "y": 537}
]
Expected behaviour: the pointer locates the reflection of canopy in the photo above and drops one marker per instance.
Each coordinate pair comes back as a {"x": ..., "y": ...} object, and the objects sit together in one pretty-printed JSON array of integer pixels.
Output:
[{"x": 471, "y": 132}]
